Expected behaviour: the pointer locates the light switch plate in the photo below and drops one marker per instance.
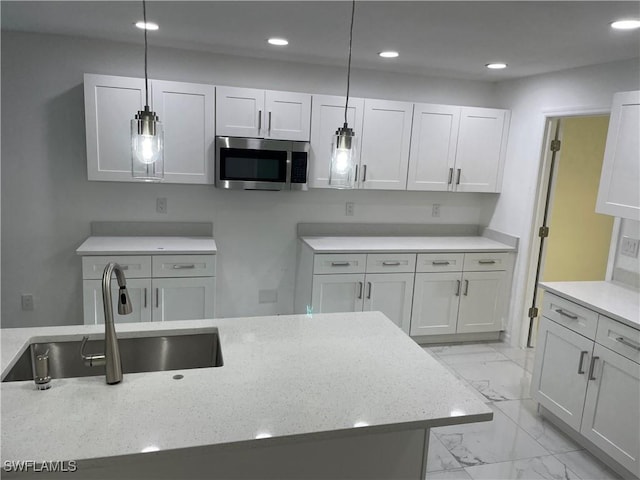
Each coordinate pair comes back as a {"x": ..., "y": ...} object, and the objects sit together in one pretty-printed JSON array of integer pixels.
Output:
[{"x": 629, "y": 247}]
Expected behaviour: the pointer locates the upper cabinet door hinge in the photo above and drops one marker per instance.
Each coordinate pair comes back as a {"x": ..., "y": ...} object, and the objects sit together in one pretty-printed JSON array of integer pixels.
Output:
[
  {"x": 543, "y": 232},
  {"x": 533, "y": 312},
  {"x": 555, "y": 145}
]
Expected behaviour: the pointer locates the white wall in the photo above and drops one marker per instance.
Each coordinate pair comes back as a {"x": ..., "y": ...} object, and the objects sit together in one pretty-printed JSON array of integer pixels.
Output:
[
  {"x": 47, "y": 202},
  {"x": 530, "y": 99},
  {"x": 628, "y": 228}
]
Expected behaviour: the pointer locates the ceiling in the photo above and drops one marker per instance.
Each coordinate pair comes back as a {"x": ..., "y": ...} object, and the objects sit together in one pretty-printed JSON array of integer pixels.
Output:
[{"x": 447, "y": 38}]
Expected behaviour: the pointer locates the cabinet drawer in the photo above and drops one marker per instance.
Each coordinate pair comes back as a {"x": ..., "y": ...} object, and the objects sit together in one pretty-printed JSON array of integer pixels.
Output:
[
  {"x": 134, "y": 266},
  {"x": 618, "y": 337},
  {"x": 439, "y": 262},
  {"x": 391, "y": 262},
  {"x": 571, "y": 315},
  {"x": 482, "y": 262},
  {"x": 339, "y": 263},
  {"x": 171, "y": 266}
]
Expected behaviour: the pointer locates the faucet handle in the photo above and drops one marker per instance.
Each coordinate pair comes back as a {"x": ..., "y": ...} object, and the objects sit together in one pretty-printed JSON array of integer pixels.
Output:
[{"x": 91, "y": 359}]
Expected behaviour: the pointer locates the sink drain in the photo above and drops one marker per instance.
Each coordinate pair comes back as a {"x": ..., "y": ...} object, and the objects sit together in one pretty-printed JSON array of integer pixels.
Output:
[{"x": 178, "y": 377}]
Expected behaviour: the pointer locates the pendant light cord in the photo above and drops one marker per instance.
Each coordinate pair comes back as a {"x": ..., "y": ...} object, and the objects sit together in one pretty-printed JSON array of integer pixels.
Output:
[
  {"x": 146, "y": 79},
  {"x": 346, "y": 105}
]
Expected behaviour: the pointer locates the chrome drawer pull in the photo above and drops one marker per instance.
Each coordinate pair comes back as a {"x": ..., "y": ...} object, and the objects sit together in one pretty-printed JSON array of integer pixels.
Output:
[
  {"x": 439, "y": 263},
  {"x": 583, "y": 354},
  {"x": 486, "y": 262},
  {"x": 390, "y": 264},
  {"x": 180, "y": 267},
  {"x": 340, "y": 264},
  {"x": 628, "y": 343},
  {"x": 592, "y": 367},
  {"x": 124, "y": 267},
  {"x": 565, "y": 314}
]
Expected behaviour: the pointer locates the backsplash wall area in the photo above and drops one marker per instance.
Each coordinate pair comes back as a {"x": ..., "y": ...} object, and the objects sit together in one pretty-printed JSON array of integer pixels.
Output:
[{"x": 48, "y": 203}]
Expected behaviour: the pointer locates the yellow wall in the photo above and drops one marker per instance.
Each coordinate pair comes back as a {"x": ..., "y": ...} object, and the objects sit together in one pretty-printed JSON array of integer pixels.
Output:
[{"x": 579, "y": 238}]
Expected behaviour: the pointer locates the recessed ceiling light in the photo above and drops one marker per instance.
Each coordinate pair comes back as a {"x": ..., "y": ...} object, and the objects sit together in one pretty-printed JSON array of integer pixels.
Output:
[
  {"x": 280, "y": 42},
  {"x": 626, "y": 24},
  {"x": 147, "y": 26},
  {"x": 496, "y": 66},
  {"x": 389, "y": 54}
]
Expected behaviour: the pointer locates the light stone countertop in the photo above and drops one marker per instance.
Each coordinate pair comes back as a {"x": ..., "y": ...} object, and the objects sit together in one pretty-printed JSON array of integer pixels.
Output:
[
  {"x": 147, "y": 246},
  {"x": 612, "y": 300},
  {"x": 283, "y": 377},
  {"x": 375, "y": 244}
]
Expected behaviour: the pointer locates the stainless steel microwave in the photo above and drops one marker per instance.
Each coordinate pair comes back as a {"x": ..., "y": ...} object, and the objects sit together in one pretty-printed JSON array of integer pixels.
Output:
[{"x": 260, "y": 164}]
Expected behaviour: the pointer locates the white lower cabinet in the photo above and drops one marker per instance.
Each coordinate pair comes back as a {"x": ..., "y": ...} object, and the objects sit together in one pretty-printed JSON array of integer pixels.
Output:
[
  {"x": 436, "y": 297},
  {"x": 482, "y": 302},
  {"x": 591, "y": 388},
  {"x": 161, "y": 287},
  {"x": 337, "y": 293}
]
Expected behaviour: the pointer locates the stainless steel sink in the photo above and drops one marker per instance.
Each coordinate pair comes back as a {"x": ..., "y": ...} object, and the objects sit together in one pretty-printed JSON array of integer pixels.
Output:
[{"x": 141, "y": 354}]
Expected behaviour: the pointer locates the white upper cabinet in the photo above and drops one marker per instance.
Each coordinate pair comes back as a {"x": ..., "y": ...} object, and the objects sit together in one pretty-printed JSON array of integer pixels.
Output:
[
  {"x": 186, "y": 110},
  {"x": 619, "y": 194},
  {"x": 327, "y": 115},
  {"x": 481, "y": 150},
  {"x": 386, "y": 136},
  {"x": 433, "y": 147},
  {"x": 110, "y": 104},
  {"x": 248, "y": 112}
]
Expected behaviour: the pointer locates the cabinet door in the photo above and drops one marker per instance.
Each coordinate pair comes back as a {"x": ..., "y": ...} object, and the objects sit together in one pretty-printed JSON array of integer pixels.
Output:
[
  {"x": 482, "y": 302},
  {"x": 327, "y": 115},
  {"x": 434, "y": 136},
  {"x": 611, "y": 418},
  {"x": 110, "y": 103},
  {"x": 337, "y": 293},
  {"x": 618, "y": 194},
  {"x": 560, "y": 373},
  {"x": 187, "y": 112},
  {"x": 435, "y": 303},
  {"x": 288, "y": 116},
  {"x": 481, "y": 148},
  {"x": 139, "y": 293},
  {"x": 391, "y": 294},
  {"x": 239, "y": 112},
  {"x": 386, "y": 135},
  {"x": 183, "y": 298}
]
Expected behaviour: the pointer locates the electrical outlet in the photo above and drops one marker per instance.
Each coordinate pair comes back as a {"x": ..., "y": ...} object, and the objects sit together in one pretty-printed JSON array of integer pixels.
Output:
[
  {"x": 161, "y": 205},
  {"x": 27, "y": 302},
  {"x": 629, "y": 247},
  {"x": 349, "y": 209},
  {"x": 435, "y": 210}
]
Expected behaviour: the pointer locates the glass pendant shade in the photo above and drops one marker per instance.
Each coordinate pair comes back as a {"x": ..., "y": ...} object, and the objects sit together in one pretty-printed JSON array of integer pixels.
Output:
[
  {"x": 343, "y": 169},
  {"x": 147, "y": 147}
]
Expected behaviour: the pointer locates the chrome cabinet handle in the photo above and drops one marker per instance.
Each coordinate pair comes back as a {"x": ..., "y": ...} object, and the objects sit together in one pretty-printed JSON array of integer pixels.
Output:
[
  {"x": 459, "y": 173},
  {"x": 450, "y": 176},
  {"x": 440, "y": 262},
  {"x": 370, "y": 288},
  {"x": 356, "y": 180},
  {"x": 180, "y": 267},
  {"x": 387, "y": 263},
  {"x": 340, "y": 264},
  {"x": 583, "y": 354},
  {"x": 360, "y": 289},
  {"x": 592, "y": 367},
  {"x": 145, "y": 297},
  {"x": 458, "y": 289},
  {"x": 565, "y": 314},
  {"x": 628, "y": 343},
  {"x": 269, "y": 126},
  {"x": 486, "y": 262},
  {"x": 157, "y": 297},
  {"x": 466, "y": 287},
  {"x": 259, "y": 120},
  {"x": 364, "y": 173},
  {"x": 124, "y": 267}
]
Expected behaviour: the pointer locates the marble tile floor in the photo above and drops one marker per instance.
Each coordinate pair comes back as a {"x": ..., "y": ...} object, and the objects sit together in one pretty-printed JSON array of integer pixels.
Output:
[{"x": 518, "y": 443}]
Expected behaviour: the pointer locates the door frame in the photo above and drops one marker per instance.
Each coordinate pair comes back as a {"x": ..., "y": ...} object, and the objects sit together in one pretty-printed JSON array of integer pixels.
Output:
[{"x": 545, "y": 177}]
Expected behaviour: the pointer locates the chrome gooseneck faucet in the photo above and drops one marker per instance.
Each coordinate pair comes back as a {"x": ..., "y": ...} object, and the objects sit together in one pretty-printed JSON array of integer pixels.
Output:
[{"x": 111, "y": 356}]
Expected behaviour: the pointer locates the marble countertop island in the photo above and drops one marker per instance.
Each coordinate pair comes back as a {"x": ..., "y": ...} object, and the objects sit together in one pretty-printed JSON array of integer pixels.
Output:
[{"x": 287, "y": 377}]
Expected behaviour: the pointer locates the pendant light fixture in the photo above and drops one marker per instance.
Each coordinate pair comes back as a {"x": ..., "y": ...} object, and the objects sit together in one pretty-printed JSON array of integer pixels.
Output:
[
  {"x": 344, "y": 168},
  {"x": 147, "y": 136}
]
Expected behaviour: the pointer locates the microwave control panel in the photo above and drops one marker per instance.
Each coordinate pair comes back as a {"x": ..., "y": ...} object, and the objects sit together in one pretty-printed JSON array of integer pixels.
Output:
[{"x": 299, "y": 167}]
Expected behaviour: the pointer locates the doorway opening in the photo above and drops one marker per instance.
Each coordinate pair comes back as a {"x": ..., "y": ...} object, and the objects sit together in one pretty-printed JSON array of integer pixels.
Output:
[{"x": 572, "y": 242}]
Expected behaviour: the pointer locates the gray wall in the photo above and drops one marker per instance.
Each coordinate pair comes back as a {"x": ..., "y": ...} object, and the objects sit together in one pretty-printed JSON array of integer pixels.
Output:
[{"x": 47, "y": 202}]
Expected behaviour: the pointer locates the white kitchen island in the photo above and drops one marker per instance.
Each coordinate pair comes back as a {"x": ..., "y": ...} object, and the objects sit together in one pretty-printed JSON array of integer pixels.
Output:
[{"x": 344, "y": 395}]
